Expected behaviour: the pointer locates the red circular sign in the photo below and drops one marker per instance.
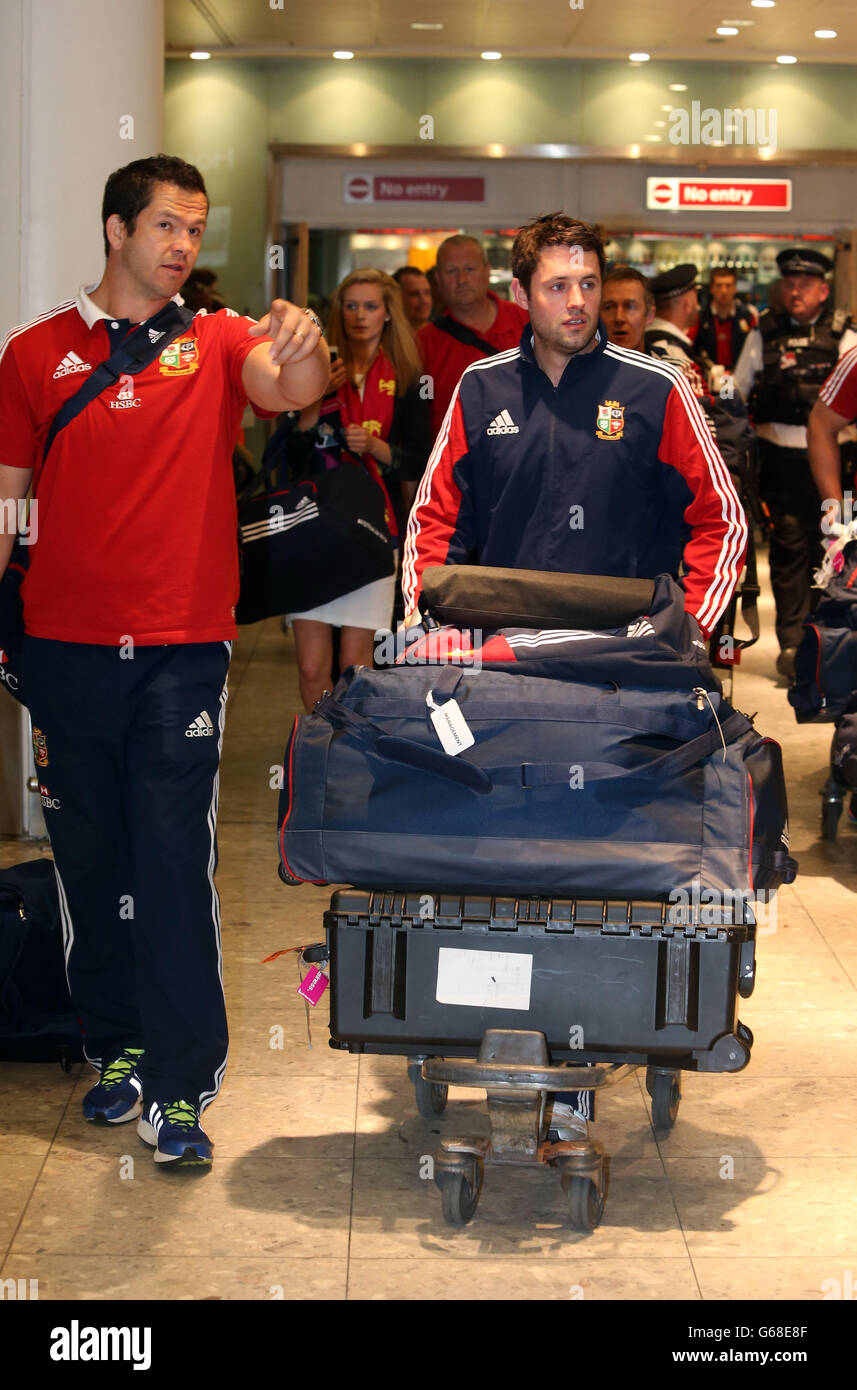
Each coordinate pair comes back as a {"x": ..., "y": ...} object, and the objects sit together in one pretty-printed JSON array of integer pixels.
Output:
[
  {"x": 662, "y": 193},
  {"x": 358, "y": 186}
]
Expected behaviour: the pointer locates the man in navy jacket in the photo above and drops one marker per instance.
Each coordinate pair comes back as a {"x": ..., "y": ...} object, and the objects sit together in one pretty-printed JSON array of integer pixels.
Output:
[{"x": 570, "y": 453}]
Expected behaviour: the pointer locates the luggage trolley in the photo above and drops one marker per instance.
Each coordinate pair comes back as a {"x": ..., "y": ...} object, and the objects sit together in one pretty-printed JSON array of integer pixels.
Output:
[{"x": 639, "y": 983}]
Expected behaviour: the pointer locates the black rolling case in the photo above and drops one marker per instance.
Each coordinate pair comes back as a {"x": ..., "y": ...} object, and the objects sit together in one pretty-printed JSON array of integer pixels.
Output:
[{"x": 641, "y": 982}]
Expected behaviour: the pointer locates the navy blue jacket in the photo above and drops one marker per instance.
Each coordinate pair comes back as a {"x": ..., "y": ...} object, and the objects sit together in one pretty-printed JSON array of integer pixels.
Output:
[{"x": 613, "y": 471}]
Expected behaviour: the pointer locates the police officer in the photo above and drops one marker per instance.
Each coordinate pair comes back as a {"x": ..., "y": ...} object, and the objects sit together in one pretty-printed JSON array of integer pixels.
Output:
[
  {"x": 676, "y": 298},
  {"x": 779, "y": 373},
  {"x": 676, "y": 311}
]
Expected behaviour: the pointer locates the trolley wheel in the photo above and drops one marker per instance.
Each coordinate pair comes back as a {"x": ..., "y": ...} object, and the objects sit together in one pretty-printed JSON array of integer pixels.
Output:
[
  {"x": 285, "y": 876},
  {"x": 585, "y": 1204},
  {"x": 744, "y": 1033},
  {"x": 665, "y": 1090},
  {"x": 430, "y": 1095},
  {"x": 459, "y": 1197}
]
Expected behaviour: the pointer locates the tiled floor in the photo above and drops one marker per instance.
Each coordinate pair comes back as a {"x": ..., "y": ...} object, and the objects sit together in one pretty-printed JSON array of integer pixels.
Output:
[{"x": 317, "y": 1191}]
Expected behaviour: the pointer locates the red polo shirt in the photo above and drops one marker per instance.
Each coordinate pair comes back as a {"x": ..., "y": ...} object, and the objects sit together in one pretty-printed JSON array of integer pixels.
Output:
[
  {"x": 445, "y": 359},
  {"x": 136, "y": 517}
]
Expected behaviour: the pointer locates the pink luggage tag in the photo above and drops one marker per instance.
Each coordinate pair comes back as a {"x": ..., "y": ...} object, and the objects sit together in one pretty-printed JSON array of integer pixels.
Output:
[{"x": 313, "y": 985}]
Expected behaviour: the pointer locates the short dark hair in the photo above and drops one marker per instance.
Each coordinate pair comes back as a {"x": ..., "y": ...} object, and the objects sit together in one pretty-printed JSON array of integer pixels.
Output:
[
  {"x": 129, "y": 189},
  {"x": 399, "y": 275},
  {"x": 723, "y": 270},
  {"x": 628, "y": 272},
  {"x": 553, "y": 229}
]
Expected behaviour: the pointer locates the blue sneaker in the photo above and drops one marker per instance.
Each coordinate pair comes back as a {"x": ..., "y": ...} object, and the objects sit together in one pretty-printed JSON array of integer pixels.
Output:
[
  {"x": 173, "y": 1130},
  {"x": 117, "y": 1097}
]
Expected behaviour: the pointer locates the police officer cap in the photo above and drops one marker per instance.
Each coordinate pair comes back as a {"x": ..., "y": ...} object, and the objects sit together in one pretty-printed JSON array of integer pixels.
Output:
[
  {"x": 672, "y": 283},
  {"x": 800, "y": 261}
]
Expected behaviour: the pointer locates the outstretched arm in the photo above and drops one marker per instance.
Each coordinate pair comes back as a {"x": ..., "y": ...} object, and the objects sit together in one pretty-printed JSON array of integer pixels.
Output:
[{"x": 292, "y": 371}]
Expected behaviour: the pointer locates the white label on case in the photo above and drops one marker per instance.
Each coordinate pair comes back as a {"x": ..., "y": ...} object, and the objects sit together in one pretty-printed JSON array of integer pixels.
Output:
[
  {"x": 484, "y": 979},
  {"x": 451, "y": 728}
]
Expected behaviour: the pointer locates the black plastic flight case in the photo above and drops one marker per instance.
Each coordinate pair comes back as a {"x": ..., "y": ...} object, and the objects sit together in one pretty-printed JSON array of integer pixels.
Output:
[{"x": 431, "y": 973}]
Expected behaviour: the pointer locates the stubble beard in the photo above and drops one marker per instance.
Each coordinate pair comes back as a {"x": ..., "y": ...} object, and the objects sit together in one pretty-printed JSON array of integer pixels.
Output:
[{"x": 570, "y": 344}]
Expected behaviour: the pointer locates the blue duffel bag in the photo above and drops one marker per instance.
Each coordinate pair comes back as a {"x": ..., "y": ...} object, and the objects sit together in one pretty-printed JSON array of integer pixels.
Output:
[
  {"x": 825, "y": 679},
  {"x": 567, "y": 788}
]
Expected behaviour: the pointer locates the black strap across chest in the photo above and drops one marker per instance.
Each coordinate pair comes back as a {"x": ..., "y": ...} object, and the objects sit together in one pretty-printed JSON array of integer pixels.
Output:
[
  {"x": 463, "y": 334},
  {"x": 146, "y": 342}
]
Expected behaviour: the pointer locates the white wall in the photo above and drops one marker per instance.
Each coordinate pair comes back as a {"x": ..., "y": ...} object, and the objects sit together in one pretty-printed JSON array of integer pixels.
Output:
[{"x": 70, "y": 70}]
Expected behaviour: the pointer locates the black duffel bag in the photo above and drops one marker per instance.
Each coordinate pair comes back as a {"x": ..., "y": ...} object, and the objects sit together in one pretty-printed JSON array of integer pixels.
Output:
[
  {"x": 310, "y": 540},
  {"x": 12, "y": 622},
  {"x": 37, "y": 1019}
]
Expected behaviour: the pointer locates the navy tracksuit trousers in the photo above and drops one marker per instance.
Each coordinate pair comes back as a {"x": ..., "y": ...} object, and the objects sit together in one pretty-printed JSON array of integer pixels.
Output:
[{"x": 127, "y": 749}]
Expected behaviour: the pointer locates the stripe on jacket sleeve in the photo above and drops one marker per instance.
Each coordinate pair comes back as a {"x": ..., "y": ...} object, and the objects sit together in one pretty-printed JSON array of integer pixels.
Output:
[
  {"x": 837, "y": 379},
  {"x": 727, "y": 566},
  {"x": 434, "y": 515}
]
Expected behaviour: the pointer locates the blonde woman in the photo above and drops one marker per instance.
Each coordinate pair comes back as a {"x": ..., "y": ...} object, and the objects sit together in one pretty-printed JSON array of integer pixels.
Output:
[{"x": 375, "y": 380}]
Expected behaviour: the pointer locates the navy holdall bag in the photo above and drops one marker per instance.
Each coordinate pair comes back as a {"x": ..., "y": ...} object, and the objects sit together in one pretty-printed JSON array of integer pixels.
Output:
[
  {"x": 569, "y": 787},
  {"x": 826, "y": 660}
]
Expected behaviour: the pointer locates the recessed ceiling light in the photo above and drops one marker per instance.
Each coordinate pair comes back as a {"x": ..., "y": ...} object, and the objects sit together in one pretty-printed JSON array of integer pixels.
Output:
[
  {"x": 678, "y": 87},
  {"x": 666, "y": 108},
  {"x": 786, "y": 58},
  {"x": 416, "y": 25},
  {"x": 825, "y": 33},
  {"x": 727, "y": 29},
  {"x": 490, "y": 55},
  {"x": 200, "y": 54},
  {"x": 343, "y": 53},
  {"x": 740, "y": 23},
  {"x": 653, "y": 139},
  {"x": 638, "y": 57},
  {"x": 762, "y": 4}
]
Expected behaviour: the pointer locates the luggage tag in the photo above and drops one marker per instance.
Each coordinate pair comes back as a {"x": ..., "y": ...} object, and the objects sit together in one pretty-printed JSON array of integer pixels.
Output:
[
  {"x": 450, "y": 725},
  {"x": 313, "y": 985}
]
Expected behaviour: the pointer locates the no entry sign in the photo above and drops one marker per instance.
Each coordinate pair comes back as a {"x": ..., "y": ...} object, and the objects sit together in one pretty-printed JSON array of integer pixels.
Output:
[
  {"x": 410, "y": 188},
  {"x": 720, "y": 195}
]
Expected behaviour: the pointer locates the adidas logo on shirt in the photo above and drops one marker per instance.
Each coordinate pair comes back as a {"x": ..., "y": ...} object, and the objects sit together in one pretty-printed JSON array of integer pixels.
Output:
[
  {"x": 502, "y": 424},
  {"x": 201, "y": 727},
  {"x": 70, "y": 364}
]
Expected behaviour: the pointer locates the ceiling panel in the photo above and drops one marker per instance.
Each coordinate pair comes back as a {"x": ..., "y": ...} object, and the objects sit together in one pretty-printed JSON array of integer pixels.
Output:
[{"x": 540, "y": 28}]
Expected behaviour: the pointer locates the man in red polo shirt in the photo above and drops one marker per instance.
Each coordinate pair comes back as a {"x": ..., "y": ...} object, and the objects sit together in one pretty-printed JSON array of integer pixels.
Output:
[
  {"x": 476, "y": 324},
  {"x": 129, "y": 620}
]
